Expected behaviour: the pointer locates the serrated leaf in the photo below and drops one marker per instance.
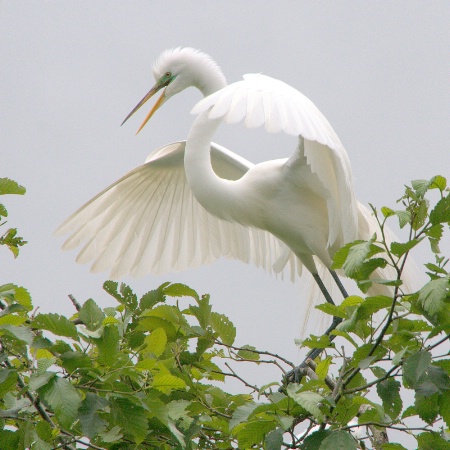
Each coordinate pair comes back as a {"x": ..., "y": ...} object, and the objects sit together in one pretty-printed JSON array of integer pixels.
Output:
[
  {"x": 71, "y": 360},
  {"x": 399, "y": 249},
  {"x": 393, "y": 447},
  {"x": 389, "y": 392},
  {"x": 63, "y": 399},
  {"x": 274, "y": 440},
  {"x": 91, "y": 423},
  {"x": 444, "y": 407},
  {"x": 432, "y": 296},
  {"x": 332, "y": 310},
  {"x": 130, "y": 417},
  {"x": 39, "y": 380},
  {"x": 308, "y": 400},
  {"x": 420, "y": 186},
  {"x": 202, "y": 312},
  {"x": 432, "y": 441},
  {"x": 224, "y": 327},
  {"x": 242, "y": 413},
  {"x": 371, "y": 305},
  {"x": 180, "y": 290},
  {"x": 438, "y": 182},
  {"x": 404, "y": 217},
  {"x": 167, "y": 382},
  {"x": 253, "y": 433},
  {"x": 339, "y": 440},
  {"x": 441, "y": 212},
  {"x": 415, "y": 367},
  {"x": 91, "y": 315},
  {"x": 8, "y": 186},
  {"x": 323, "y": 367},
  {"x": 56, "y": 324},
  {"x": 246, "y": 353},
  {"x": 156, "y": 342},
  {"x": 356, "y": 256},
  {"x": 387, "y": 212},
  {"x": 21, "y": 333},
  {"x": 427, "y": 407},
  {"x": 108, "y": 346}
]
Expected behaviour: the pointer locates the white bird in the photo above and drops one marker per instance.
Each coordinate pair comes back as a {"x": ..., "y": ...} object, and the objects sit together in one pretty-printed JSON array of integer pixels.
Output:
[{"x": 193, "y": 202}]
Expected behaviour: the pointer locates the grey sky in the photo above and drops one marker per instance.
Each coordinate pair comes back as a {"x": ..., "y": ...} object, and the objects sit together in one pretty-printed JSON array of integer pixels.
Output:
[{"x": 71, "y": 71}]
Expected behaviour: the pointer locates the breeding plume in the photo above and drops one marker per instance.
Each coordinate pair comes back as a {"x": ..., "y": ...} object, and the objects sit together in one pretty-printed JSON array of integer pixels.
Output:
[{"x": 193, "y": 202}]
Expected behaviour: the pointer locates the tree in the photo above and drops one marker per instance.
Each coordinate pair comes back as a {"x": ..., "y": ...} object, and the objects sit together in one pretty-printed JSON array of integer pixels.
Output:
[{"x": 147, "y": 372}]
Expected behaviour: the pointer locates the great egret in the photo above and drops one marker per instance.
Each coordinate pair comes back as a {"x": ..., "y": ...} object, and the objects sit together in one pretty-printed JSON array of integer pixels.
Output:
[{"x": 191, "y": 203}]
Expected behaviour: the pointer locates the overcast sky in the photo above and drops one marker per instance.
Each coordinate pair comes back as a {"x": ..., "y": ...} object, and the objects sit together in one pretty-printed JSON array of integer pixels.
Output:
[{"x": 71, "y": 71}]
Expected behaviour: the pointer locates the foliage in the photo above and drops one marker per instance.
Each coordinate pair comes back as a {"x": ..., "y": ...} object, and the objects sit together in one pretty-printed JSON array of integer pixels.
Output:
[{"x": 149, "y": 371}]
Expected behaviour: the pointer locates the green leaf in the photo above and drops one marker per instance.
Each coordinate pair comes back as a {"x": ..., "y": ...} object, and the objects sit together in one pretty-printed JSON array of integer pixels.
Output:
[
  {"x": 444, "y": 407},
  {"x": 399, "y": 249},
  {"x": 415, "y": 367},
  {"x": 123, "y": 295},
  {"x": 441, "y": 212},
  {"x": 313, "y": 440},
  {"x": 393, "y": 447},
  {"x": 202, "y": 312},
  {"x": 224, "y": 327},
  {"x": 248, "y": 352},
  {"x": 156, "y": 342},
  {"x": 152, "y": 298},
  {"x": 323, "y": 367},
  {"x": 166, "y": 382},
  {"x": 438, "y": 182},
  {"x": 404, "y": 218},
  {"x": 339, "y": 440},
  {"x": 91, "y": 423},
  {"x": 21, "y": 333},
  {"x": 371, "y": 305},
  {"x": 420, "y": 186},
  {"x": 180, "y": 290},
  {"x": 274, "y": 440},
  {"x": 427, "y": 407},
  {"x": 308, "y": 400},
  {"x": 108, "y": 346},
  {"x": 91, "y": 315},
  {"x": 356, "y": 256},
  {"x": 129, "y": 417},
  {"x": 389, "y": 392},
  {"x": 8, "y": 186},
  {"x": 253, "y": 433},
  {"x": 432, "y": 441},
  {"x": 387, "y": 212},
  {"x": 432, "y": 296},
  {"x": 55, "y": 323},
  {"x": 63, "y": 399},
  {"x": 242, "y": 413},
  {"x": 72, "y": 361}
]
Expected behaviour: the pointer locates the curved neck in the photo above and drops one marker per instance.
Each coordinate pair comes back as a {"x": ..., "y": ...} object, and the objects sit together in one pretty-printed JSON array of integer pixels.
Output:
[{"x": 217, "y": 195}]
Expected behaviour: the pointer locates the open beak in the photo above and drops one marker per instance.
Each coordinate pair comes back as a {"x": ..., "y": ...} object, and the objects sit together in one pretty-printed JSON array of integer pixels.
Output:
[{"x": 150, "y": 93}]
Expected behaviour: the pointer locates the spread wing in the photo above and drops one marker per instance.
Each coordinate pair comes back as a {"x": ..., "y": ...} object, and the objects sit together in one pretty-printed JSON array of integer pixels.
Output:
[
  {"x": 260, "y": 100},
  {"x": 150, "y": 222}
]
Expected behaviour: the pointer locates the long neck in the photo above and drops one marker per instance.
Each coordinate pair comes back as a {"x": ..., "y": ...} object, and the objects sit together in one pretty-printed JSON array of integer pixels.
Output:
[{"x": 215, "y": 194}]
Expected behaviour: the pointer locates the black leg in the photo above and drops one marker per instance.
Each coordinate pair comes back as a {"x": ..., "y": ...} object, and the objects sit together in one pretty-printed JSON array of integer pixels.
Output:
[{"x": 339, "y": 284}]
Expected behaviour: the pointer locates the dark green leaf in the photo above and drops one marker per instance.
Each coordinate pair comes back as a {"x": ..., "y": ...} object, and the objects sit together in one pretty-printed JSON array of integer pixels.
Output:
[
  {"x": 108, "y": 346},
  {"x": 313, "y": 440},
  {"x": 432, "y": 441},
  {"x": 55, "y": 323},
  {"x": 415, "y": 367},
  {"x": 91, "y": 423},
  {"x": 91, "y": 315},
  {"x": 274, "y": 440},
  {"x": 129, "y": 417},
  {"x": 389, "y": 392},
  {"x": 63, "y": 399},
  {"x": 441, "y": 212},
  {"x": 339, "y": 440}
]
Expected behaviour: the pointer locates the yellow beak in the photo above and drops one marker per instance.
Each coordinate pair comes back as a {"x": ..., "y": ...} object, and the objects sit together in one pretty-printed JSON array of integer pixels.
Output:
[{"x": 150, "y": 93}]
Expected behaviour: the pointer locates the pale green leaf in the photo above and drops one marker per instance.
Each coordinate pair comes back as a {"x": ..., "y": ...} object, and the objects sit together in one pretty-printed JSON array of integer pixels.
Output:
[
  {"x": 224, "y": 327},
  {"x": 8, "y": 186},
  {"x": 308, "y": 400},
  {"x": 156, "y": 342},
  {"x": 167, "y": 382}
]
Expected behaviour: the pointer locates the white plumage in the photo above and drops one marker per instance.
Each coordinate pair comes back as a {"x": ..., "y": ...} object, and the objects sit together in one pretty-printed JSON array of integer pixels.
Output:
[{"x": 194, "y": 202}]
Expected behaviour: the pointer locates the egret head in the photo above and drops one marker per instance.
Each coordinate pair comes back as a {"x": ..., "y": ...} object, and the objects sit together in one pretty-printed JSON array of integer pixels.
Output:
[{"x": 178, "y": 69}]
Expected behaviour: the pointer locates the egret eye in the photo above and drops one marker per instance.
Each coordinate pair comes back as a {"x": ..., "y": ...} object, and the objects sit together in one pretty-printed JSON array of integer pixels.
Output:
[{"x": 168, "y": 74}]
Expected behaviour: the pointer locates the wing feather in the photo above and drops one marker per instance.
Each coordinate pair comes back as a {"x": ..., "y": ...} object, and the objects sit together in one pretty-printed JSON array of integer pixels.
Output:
[
  {"x": 279, "y": 107},
  {"x": 150, "y": 222}
]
